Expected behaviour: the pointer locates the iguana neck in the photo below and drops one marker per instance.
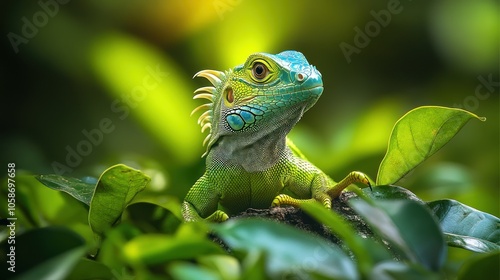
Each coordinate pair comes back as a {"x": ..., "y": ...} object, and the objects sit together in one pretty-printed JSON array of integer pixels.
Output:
[{"x": 256, "y": 151}]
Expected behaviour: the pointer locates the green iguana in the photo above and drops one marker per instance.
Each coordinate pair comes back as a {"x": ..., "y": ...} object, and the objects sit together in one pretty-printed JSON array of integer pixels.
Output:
[{"x": 250, "y": 163}]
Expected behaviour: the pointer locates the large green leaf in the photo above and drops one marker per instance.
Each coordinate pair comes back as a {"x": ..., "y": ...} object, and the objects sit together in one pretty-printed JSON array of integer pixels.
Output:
[
  {"x": 392, "y": 270},
  {"x": 470, "y": 243},
  {"x": 467, "y": 227},
  {"x": 77, "y": 188},
  {"x": 289, "y": 252},
  {"x": 254, "y": 266},
  {"x": 417, "y": 136},
  {"x": 169, "y": 203},
  {"x": 43, "y": 253},
  {"x": 391, "y": 192},
  {"x": 152, "y": 218},
  {"x": 113, "y": 244},
  {"x": 366, "y": 251},
  {"x": 226, "y": 266},
  {"x": 408, "y": 225},
  {"x": 151, "y": 249},
  {"x": 188, "y": 271},
  {"x": 116, "y": 188}
]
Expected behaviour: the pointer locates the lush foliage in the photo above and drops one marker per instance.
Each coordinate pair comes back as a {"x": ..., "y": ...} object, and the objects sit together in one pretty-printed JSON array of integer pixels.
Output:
[{"x": 116, "y": 226}]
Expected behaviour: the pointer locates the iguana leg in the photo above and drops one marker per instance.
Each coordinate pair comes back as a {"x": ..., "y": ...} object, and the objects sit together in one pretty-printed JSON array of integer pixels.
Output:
[
  {"x": 353, "y": 177},
  {"x": 190, "y": 215},
  {"x": 319, "y": 182},
  {"x": 284, "y": 199},
  {"x": 202, "y": 200},
  {"x": 324, "y": 198}
]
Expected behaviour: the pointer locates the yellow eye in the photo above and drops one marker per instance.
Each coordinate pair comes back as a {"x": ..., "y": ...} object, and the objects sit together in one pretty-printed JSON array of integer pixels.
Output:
[{"x": 259, "y": 71}]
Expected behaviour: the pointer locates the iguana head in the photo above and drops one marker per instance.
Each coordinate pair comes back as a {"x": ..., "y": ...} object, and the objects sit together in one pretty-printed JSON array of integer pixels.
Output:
[{"x": 266, "y": 93}]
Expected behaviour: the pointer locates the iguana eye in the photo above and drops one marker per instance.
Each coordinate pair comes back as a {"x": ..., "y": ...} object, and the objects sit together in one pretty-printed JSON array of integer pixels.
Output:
[{"x": 259, "y": 71}]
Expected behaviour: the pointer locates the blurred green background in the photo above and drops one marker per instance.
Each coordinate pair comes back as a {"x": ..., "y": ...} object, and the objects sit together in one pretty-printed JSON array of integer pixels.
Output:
[{"x": 87, "y": 84}]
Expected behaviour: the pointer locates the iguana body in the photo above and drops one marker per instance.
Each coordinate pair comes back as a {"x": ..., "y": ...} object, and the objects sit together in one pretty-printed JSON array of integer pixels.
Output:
[{"x": 249, "y": 162}]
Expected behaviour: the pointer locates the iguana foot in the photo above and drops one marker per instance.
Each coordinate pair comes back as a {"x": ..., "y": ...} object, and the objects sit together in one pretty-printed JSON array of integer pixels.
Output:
[
  {"x": 353, "y": 177},
  {"x": 322, "y": 197},
  {"x": 191, "y": 215},
  {"x": 284, "y": 199},
  {"x": 217, "y": 217}
]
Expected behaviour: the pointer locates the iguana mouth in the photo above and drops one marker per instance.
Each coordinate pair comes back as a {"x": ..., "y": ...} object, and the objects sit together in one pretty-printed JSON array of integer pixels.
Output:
[
  {"x": 315, "y": 88},
  {"x": 249, "y": 98}
]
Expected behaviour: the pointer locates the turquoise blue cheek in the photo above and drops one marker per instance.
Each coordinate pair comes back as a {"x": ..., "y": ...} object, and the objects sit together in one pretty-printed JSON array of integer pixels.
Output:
[
  {"x": 248, "y": 117},
  {"x": 255, "y": 110},
  {"x": 235, "y": 121}
]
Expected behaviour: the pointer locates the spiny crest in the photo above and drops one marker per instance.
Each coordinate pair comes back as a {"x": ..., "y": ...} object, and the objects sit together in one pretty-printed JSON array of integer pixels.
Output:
[{"x": 209, "y": 93}]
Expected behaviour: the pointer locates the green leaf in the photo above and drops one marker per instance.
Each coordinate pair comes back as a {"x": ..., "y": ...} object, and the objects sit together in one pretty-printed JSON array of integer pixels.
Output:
[
  {"x": 113, "y": 244},
  {"x": 391, "y": 270},
  {"x": 254, "y": 266},
  {"x": 481, "y": 265},
  {"x": 169, "y": 203},
  {"x": 151, "y": 218},
  {"x": 470, "y": 243},
  {"x": 227, "y": 267},
  {"x": 467, "y": 227},
  {"x": 461, "y": 219},
  {"x": 77, "y": 188},
  {"x": 188, "y": 271},
  {"x": 344, "y": 231},
  {"x": 418, "y": 135},
  {"x": 366, "y": 251},
  {"x": 390, "y": 192},
  {"x": 289, "y": 252},
  {"x": 151, "y": 249},
  {"x": 116, "y": 188},
  {"x": 408, "y": 225},
  {"x": 43, "y": 253}
]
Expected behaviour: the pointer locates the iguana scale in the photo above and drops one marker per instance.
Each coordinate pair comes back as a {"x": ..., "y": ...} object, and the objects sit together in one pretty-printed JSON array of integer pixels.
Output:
[{"x": 249, "y": 161}]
